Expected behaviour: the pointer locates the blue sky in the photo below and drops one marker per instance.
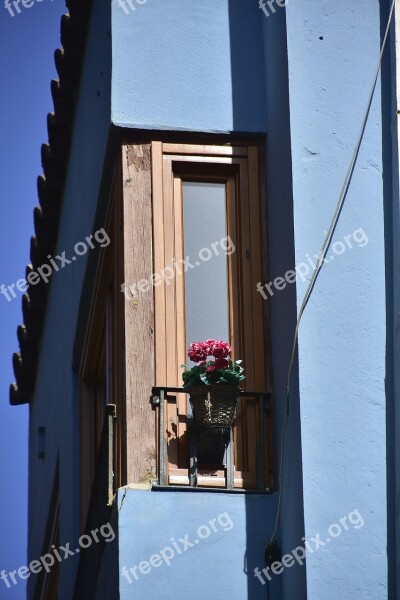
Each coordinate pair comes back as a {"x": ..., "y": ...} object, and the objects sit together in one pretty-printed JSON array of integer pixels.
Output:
[{"x": 27, "y": 44}]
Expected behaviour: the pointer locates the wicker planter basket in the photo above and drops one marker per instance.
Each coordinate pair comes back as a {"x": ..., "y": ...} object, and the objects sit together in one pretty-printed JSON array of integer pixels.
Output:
[{"x": 214, "y": 406}]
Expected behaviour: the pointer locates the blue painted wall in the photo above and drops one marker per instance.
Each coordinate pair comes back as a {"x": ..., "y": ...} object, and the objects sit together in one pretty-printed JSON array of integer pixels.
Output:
[
  {"x": 56, "y": 401},
  {"x": 391, "y": 211},
  {"x": 332, "y": 53},
  {"x": 303, "y": 77},
  {"x": 219, "y": 565},
  {"x": 176, "y": 66},
  {"x": 282, "y": 305}
]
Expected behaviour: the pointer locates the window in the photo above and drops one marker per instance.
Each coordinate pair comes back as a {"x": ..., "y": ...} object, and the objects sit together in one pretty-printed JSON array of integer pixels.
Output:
[
  {"x": 47, "y": 582},
  {"x": 193, "y": 214},
  {"x": 207, "y": 243},
  {"x": 101, "y": 373}
]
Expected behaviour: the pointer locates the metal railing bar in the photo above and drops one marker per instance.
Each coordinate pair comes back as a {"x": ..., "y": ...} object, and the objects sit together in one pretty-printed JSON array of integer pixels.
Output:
[
  {"x": 230, "y": 466},
  {"x": 261, "y": 444},
  {"x": 193, "y": 474},
  {"x": 110, "y": 423},
  {"x": 162, "y": 442},
  {"x": 177, "y": 390},
  {"x": 187, "y": 488},
  {"x": 160, "y": 395}
]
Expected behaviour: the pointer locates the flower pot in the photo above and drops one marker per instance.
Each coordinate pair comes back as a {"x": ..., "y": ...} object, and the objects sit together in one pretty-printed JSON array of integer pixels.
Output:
[
  {"x": 211, "y": 447},
  {"x": 214, "y": 406}
]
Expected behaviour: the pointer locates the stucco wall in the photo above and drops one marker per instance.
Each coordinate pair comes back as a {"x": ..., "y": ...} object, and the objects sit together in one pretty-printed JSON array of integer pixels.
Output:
[
  {"x": 55, "y": 404},
  {"x": 332, "y": 51},
  {"x": 176, "y": 66},
  {"x": 392, "y": 81},
  {"x": 220, "y": 564},
  {"x": 219, "y": 66},
  {"x": 282, "y": 305}
]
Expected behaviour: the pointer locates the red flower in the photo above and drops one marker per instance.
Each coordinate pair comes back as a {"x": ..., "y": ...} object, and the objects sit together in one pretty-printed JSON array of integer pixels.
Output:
[
  {"x": 220, "y": 349},
  {"x": 210, "y": 369},
  {"x": 198, "y": 351},
  {"x": 221, "y": 363}
]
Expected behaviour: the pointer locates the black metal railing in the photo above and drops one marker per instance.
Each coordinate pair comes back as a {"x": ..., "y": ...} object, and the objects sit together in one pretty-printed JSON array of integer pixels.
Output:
[{"x": 160, "y": 394}]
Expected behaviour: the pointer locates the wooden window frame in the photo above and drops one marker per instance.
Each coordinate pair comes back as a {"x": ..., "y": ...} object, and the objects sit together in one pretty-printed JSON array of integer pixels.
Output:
[
  {"x": 47, "y": 583},
  {"x": 102, "y": 359},
  {"x": 238, "y": 167}
]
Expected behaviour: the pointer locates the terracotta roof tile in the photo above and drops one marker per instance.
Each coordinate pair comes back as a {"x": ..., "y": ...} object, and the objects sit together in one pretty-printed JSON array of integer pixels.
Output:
[{"x": 68, "y": 61}]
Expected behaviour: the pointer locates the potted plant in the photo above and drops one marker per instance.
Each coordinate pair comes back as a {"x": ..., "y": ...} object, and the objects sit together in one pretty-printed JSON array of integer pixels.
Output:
[{"x": 213, "y": 384}]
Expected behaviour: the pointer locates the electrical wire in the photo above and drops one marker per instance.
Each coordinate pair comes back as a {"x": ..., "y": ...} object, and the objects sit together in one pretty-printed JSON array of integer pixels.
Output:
[{"x": 322, "y": 256}]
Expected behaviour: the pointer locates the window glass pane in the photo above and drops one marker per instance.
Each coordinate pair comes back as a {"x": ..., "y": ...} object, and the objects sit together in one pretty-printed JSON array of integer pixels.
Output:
[{"x": 206, "y": 284}]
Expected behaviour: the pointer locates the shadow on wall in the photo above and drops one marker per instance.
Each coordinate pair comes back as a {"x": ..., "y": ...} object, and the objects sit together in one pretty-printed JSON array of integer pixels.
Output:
[
  {"x": 392, "y": 237},
  {"x": 260, "y": 93}
]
